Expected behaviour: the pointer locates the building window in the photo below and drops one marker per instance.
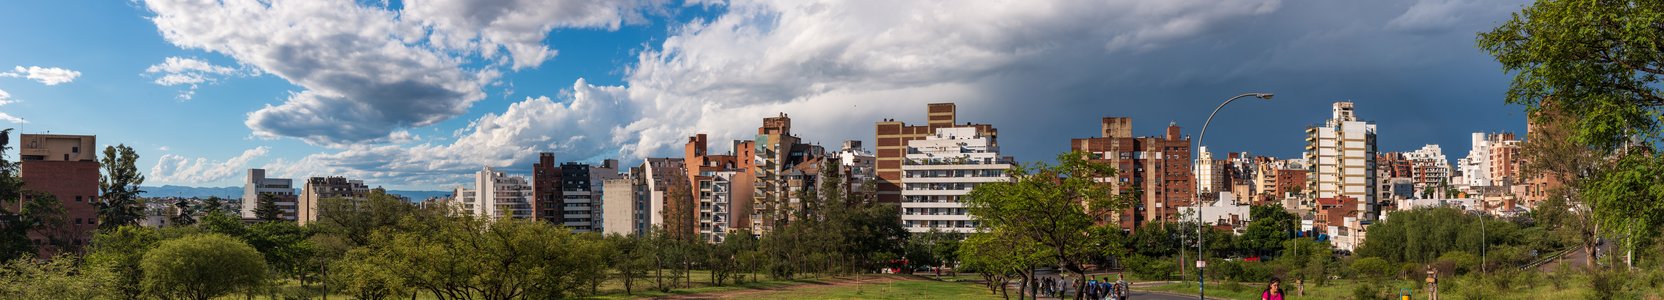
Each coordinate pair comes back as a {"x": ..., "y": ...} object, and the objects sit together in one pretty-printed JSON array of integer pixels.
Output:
[
  {"x": 77, "y": 198},
  {"x": 75, "y": 149}
]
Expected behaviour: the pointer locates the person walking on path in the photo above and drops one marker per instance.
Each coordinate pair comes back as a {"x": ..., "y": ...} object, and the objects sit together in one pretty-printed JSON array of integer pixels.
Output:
[
  {"x": 1126, "y": 288},
  {"x": 1273, "y": 291}
]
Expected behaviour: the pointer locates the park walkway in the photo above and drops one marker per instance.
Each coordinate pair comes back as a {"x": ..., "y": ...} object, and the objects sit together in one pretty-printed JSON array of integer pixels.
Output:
[{"x": 831, "y": 283}]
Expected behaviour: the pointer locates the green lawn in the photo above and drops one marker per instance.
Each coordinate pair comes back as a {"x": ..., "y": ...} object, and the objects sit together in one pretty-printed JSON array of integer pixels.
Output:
[
  {"x": 1344, "y": 289},
  {"x": 700, "y": 284},
  {"x": 905, "y": 289}
]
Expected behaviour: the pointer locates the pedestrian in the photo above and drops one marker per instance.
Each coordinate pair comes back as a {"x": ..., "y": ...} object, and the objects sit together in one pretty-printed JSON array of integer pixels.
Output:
[
  {"x": 1273, "y": 291},
  {"x": 1092, "y": 288},
  {"x": 1126, "y": 288}
]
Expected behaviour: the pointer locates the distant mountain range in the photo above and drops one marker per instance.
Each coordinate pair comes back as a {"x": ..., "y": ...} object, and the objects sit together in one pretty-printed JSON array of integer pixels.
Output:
[{"x": 235, "y": 192}]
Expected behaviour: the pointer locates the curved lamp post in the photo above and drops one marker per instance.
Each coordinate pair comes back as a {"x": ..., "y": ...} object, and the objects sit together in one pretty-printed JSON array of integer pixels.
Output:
[{"x": 1201, "y": 281}]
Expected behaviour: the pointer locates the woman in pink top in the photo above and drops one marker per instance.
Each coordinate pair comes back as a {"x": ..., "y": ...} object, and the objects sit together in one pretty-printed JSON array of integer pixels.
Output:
[{"x": 1274, "y": 291}]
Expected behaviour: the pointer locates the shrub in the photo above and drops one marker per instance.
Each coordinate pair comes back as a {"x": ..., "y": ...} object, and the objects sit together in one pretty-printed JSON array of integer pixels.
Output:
[
  {"x": 1150, "y": 268},
  {"x": 1367, "y": 290}
]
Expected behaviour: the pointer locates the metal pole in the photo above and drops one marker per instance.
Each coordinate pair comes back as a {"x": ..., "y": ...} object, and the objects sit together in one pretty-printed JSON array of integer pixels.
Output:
[{"x": 1201, "y": 279}]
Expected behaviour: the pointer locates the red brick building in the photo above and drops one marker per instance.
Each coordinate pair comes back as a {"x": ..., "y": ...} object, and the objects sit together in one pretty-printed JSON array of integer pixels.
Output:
[
  {"x": 548, "y": 204},
  {"x": 66, "y": 167},
  {"x": 892, "y": 145},
  {"x": 1157, "y": 168}
]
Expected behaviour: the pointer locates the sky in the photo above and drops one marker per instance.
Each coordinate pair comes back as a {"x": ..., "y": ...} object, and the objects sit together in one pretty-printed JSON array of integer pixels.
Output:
[{"x": 420, "y": 94}]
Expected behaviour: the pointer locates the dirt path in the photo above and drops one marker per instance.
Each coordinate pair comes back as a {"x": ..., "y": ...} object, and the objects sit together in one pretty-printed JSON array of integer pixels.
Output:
[{"x": 820, "y": 284}]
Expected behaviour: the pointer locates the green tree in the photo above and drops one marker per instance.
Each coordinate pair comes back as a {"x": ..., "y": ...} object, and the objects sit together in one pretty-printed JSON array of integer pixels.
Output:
[
  {"x": 632, "y": 256},
  {"x": 27, "y": 278},
  {"x": 1600, "y": 64},
  {"x": 356, "y": 219},
  {"x": 118, "y": 187},
  {"x": 36, "y": 211},
  {"x": 265, "y": 208},
  {"x": 201, "y": 267},
  {"x": 467, "y": 258},
  {"x": 1271, "y": 226},
  {"x": 120, "y": 251},
  {"x": 1048, "y": 205},
  {"x": 213, "y": 205},
  {"x": 184, "y": 213},
  {"x": 362, "y": 276}
]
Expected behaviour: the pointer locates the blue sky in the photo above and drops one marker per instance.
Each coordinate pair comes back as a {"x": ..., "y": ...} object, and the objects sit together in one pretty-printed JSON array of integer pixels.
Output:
[{"x": 417, "y": 95}]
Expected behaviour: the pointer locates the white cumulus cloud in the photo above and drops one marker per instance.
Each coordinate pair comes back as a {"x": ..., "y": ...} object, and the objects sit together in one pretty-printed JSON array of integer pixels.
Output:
[
  {"x": 44, "y": 75},
  {"x": 6, "y": 98},
  {"x": 191, "y": 72},
  {"x": 365, "y": 71},
  {"x": 175, "y": 169}
]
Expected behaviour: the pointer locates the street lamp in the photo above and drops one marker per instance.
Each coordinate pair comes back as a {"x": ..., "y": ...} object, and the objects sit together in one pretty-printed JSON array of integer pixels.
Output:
[{"x": 1201, "y": 279}]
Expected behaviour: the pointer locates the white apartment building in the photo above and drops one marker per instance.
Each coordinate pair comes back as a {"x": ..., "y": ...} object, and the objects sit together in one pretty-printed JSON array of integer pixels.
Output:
[
  {"x": 282, "y": 189},
  {"x": 1476, "y": 167},
  {"x": 1430, "y": 169},
  {"x": 941, "y": 168},
  {"x": 1341, "y": 154},
  {"x": 858, "y": 162},
  {"x": 1207, "y": 173},
  {"x": 496, "y": 195},
  {"x": 716, "y": 205},
  {"x": 624, "y": 206}
]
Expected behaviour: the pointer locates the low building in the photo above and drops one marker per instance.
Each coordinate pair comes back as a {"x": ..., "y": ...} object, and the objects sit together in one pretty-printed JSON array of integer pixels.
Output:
[{"x": 317, "y": 189}]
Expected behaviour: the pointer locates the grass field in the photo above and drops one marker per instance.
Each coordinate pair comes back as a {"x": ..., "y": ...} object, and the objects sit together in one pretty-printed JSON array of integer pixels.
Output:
[
  {"x": 870, "y": 287},
  {"x": 901, "y": 289},
  {"x": 1345, "y": 289}
]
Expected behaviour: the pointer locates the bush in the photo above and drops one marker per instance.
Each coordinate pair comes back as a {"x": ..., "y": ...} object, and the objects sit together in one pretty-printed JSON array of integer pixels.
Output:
[
  {"x": 201, "y": 266},
  {"x": 1150, "y": 268},
  {"x": 1373, "y": 268},
  {"x": 1367, "y": 290},
  {"x": 1459, "y": 262}
]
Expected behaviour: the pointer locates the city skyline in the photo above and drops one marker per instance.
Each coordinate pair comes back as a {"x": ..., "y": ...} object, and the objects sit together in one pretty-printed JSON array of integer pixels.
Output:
[{"x": 630, "y": 80}]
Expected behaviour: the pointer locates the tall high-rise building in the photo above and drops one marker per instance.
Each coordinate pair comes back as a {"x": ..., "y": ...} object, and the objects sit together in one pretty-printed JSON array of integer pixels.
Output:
[
  {"x": 64, "y": 167},
  {"x": 717, "y": 181},
  {"x": 548, "y": 204},
  {"x": 582, "y": 195},
  {"x": 625, "y": 206},
  {"x": 776, "y": 152},
  {"x": 496, "y": 195},
  {"x": 1342, "y": 159},
  {"x": 317, "y": 189},
  {"x": 1158, "y": 168},
  {"x": 598, "y": 176},
  {"x": 1209, "y": 171},
  {"x": 892, "y": 143},
  {"x": 669, "y": 196},
  {"x": 1504, "y": 159},
  {"x": 281, "y": 190},
  {"x": 941, "y": 169}
]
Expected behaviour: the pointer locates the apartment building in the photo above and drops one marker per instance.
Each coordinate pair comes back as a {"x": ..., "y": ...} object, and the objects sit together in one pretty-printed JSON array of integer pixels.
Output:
[
  {"x": 1158, "y": 168},
  {"x": 64, "y": 167},
  {"x": 581, "y": 193},
  {"x": 1429, "y": 170},
  {"x": 496, "y": 195},
  {"x": 625, "y": 206},
  {"x": 281, "y": 190},
  {"x": 775, "y": 152},
  {"x": 548, "y": 203},
  {"x": 939, "y": 170},
  {"x": 892, "y": 138},
  {"x": 1342, "y": 156},
  {"x": 317, "y": 189}
]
